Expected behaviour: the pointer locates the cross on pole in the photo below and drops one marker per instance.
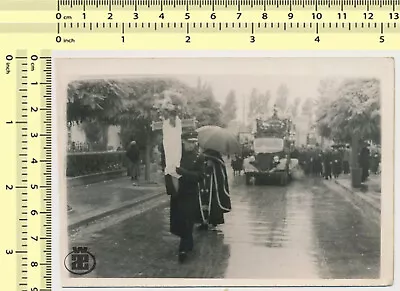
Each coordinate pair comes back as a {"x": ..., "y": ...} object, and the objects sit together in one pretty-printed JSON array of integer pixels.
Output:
[{"x": 186, "y": 123}]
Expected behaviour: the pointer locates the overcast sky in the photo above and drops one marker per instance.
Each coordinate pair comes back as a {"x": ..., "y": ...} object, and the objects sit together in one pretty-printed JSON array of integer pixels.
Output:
[
  {"x": 301, "y": 75},
  {"x": 300, "y": 86}
]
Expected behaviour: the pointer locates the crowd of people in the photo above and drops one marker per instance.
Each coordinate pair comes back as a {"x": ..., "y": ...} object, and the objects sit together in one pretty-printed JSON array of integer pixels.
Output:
[
  {"x": 336, "y": 160},
  {"x": 328, "y": 163}
]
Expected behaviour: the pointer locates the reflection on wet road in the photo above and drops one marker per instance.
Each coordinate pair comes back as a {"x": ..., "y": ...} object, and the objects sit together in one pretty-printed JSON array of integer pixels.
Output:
[
  {"x": 301, "y": 231},
  {"x": 275, "y": 232}
]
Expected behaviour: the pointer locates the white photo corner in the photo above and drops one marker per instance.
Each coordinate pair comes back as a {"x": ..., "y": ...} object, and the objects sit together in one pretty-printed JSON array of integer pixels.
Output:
[{"x": 225, "y": 171}]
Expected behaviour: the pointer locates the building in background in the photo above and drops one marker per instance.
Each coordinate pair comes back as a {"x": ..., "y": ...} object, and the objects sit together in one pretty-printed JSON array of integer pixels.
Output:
[{"x": 78, "y": 142}]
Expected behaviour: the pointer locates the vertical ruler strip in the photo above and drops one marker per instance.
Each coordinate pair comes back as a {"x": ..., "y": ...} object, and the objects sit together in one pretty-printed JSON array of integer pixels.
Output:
[
  {"x": 21, "y": 90},
  {"x": 10, "y": 243},
  {"x": 25, "y": 247}
]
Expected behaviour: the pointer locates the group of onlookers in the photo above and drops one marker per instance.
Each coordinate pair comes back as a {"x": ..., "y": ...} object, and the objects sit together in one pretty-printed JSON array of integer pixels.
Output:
[
  {"x": 329, "y": 162},
  {"x": 336, "y": 160},
  {"x": 237, "y": 164}
]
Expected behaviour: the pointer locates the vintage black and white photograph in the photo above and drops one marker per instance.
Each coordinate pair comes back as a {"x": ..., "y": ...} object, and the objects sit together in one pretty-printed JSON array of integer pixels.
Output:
[{"x": 278, "y": 170}]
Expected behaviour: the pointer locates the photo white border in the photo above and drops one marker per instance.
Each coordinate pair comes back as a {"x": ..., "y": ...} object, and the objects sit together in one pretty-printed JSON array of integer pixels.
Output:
[{"x": 59, "y": 147}]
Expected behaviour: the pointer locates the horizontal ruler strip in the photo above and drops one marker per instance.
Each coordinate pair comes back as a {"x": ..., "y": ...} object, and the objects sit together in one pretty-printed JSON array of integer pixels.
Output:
[
  {"x": 187, "y": 4},
  {"x": 201, "y": 27},
  {"x": 204, "y": 16}
]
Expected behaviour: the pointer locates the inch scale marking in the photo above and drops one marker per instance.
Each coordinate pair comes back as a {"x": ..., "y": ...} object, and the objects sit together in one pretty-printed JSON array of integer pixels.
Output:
[
  {"x": 239, "y": 27},
  {"x": 26, "y": 111}
]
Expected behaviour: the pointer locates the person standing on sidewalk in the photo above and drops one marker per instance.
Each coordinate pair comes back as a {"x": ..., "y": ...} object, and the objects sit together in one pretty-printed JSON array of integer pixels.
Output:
[
  {"x": 346, "y": 160},
  {"x": 364, "y": 162},
  {"x": 336, "y": 163},
  {"x": 133, "y": 155},
  {"x": 375, "y": 160},
  {"x": 328, "y": 164},
  {"x": 183, "y": 202}
]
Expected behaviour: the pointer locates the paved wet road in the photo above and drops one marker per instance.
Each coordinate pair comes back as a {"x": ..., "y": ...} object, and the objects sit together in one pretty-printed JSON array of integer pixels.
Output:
[{"x": 305, "y": 230}]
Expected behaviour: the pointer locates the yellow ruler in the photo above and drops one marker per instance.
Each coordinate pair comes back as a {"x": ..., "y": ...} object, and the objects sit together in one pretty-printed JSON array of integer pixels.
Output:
[
  {"x": 31, "y": 29},
  {"x": 26, "y": 170},
  {"x": 201, "y": 24}
]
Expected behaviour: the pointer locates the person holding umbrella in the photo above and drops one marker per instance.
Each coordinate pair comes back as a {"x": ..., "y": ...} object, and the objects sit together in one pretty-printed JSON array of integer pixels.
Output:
[{"x": 214, "y": 196}]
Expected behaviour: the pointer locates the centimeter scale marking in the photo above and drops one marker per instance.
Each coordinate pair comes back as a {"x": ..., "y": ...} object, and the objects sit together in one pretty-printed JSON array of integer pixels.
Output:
[
  {"x": 26, "y": 115},
  {"x": 75, "y": 21},
  {"x": 246, "y": 4}
]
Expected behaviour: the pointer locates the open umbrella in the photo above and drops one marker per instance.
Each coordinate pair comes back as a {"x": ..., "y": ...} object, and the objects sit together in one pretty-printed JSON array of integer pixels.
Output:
[{"x": 218, "y": 139}]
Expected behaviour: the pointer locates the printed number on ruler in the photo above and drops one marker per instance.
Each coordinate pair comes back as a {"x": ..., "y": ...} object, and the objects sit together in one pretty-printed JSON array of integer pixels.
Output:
[
  {"x": 298, "y": 24},
  {"x": 26, "y": 176}
]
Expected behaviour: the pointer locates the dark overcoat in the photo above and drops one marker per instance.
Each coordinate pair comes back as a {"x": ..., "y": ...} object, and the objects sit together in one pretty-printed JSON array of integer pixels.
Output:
[
  {"x": 327, "y": 158},
  {"x": 317, "y": 162},
  {"x": 133, "y": 153},
  {"x": 364, "y": 163},
  {"x": 336, "y": 163},
  {"x": 184, "y": 203}
]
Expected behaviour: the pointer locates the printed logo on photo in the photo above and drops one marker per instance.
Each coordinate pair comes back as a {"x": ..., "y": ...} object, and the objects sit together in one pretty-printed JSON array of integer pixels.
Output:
[{"x": 80, "y": 261}]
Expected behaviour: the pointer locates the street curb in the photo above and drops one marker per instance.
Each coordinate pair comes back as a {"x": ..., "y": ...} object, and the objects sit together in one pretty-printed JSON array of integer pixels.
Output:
[
  {"x": 113, "y": 211},
  {"x": 94, "y": 178},
  {"x": 359, "y": 197},
  {"x": 367, "y": 209}
]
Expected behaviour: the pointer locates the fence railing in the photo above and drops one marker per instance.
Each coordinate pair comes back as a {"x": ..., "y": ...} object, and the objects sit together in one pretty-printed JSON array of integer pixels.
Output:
[{"x": 85, "y": 163}]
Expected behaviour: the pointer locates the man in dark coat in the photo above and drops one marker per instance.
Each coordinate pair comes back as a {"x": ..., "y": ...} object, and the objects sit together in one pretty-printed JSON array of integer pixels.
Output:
[
  {"x": 375, "y": 160},
  {"x": 346, "y": 160},
  {"x": 133, "y": 155},
  {"x": 214, "y": 198},
  {"x": 183, "y": 203},
  {"x": 364, "y": 162},
  {"x": 317, "y": 163},
  {"x": 336, "y": 163},
  {"x": 327, "y": 164},
  {"x": 309, "y": 161}
]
